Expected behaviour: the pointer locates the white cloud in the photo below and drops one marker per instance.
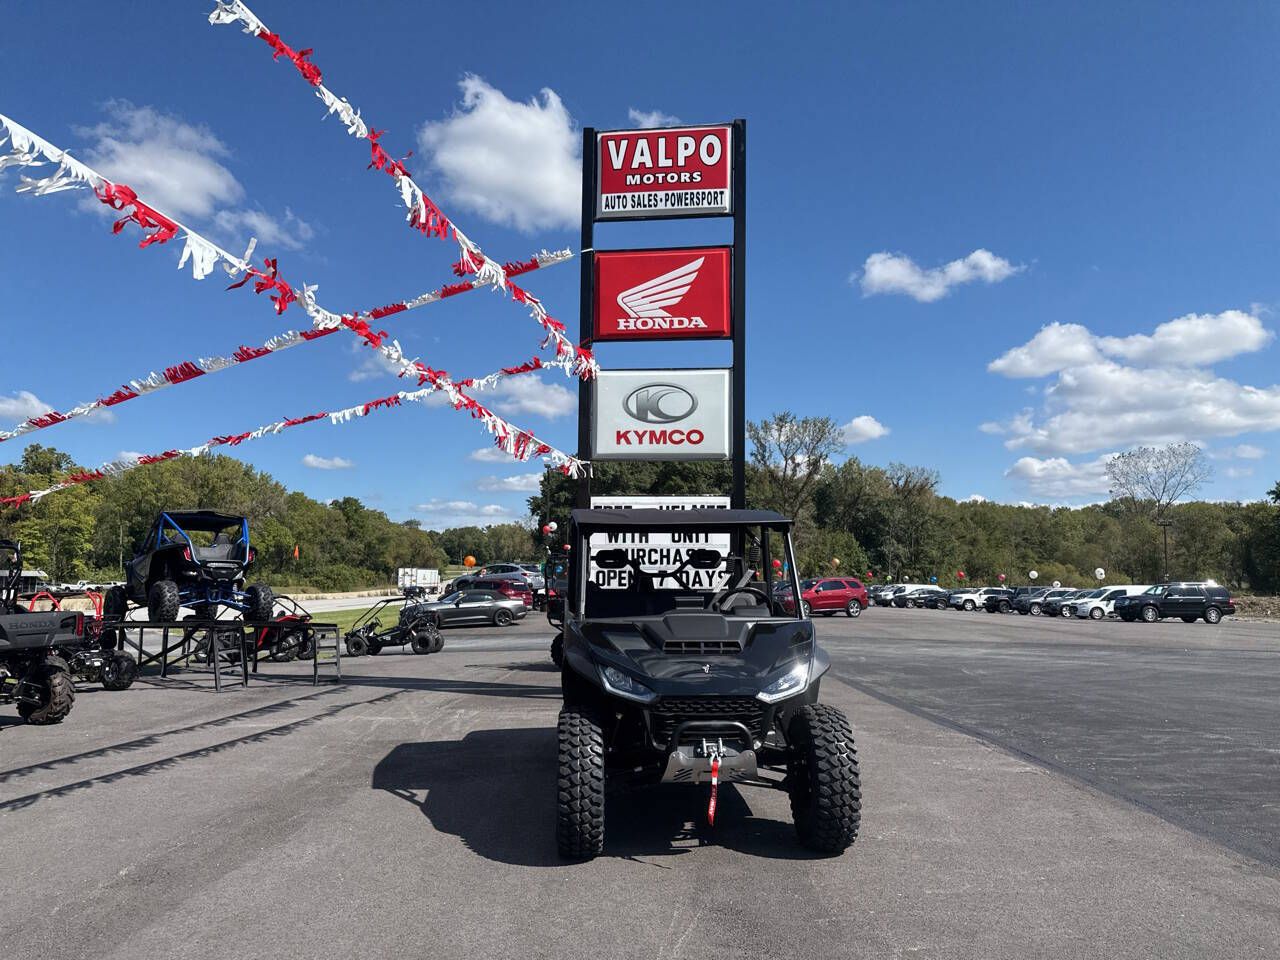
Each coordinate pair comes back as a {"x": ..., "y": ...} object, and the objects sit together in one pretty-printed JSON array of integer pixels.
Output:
[
  {"x": 863, "y": 428},
  {"x": 1196, "y": 340},
  {"x": 1243, "y": 451},
  {"x": 522, "y": 483},
  {"x": 464, "y": 513},
  {"x": 489, "y": 455},
  {"x": 21, "y": 406},
  {"x": 327, "y": 463},
  {"x": 1057, "y": 477},
  {"x": 651, "y": 118},
  {"x": 975, "y": 498},
  {"x": 886, "y": 272},
  {"x": 175, "y": 166},
  {"x": 513, "y": 163},
  {"x": 1236, "y": 473},
  {"x": 129, "y": 455},
  {"x": 533, "y": 395}
]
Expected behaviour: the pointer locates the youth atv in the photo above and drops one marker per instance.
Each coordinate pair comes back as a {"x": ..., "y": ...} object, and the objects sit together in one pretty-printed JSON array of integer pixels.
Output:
[
  {"x": 681, "y": 666},
  {"x": 416, "y": 626},
  {"x": 198, "y": 559},
  {"x": 31, "y": 672}
]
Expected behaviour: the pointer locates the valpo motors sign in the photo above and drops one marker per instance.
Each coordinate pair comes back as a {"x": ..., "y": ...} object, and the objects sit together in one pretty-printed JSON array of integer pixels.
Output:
[
  {"x": 662, "y": 294},
  {"x": 672, "y": 172},
  {"x": 661, "y": 415}
]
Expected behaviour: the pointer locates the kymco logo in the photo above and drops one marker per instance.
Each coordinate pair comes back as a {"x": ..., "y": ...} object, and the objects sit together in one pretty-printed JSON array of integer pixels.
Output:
[{"x": 660, "y": 403}]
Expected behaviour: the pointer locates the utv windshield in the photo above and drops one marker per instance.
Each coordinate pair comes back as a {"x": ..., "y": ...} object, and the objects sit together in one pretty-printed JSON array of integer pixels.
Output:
[{"x": 641, "y": 566}]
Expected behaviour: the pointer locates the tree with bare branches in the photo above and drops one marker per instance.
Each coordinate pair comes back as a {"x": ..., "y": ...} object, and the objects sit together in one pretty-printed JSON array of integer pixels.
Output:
[
  {"x": 1149, "y": 480},
  {"x": 789, "y": 453}
]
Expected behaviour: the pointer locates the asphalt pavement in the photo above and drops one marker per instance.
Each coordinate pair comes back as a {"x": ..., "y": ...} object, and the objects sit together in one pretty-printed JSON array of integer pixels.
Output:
[{"x": 1019, "y": 802}]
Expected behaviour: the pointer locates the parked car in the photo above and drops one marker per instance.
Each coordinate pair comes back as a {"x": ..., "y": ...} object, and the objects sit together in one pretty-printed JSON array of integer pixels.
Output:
[
  {"x": 461, "y": 607},
  {"x": 998, "y": 600},
  {"x": 1081, "y": 598},
  {"x": 1099, "y": 608},
  {"x": 938, "y": 601},
  {"x": 513, "y": 585},
  {"x": 1033, "y": 596},
  {"x": 917, "y": 597},
  {"x": 828, "y": 596},
  {"x": 1051, "y": 605},
  {"x": 971, "y": 598},
  {"x": 529, "y": 571},
  {"x": 1191, "y": 601}
]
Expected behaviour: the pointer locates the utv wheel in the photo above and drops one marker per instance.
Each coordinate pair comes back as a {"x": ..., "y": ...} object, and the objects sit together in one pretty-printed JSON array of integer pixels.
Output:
[
  {"x": 1035, "y": 609},
  {"x": 261, "y": 603},
  {"x": 970, "y": 605},
  {"x": 854, "y": 609},
  {"x": 557, "y": 649},
  {"x": 580, "y": 786},
  {"x": 115, "y": 603},
  {"x": 375, "y": 648},
  {"x": 1212, "y": 615},
  {"x": 424, "y": 639},
  {"x": 822, "y": 779},
  {"x": 57, "y": 695},
  {"x": 1096, "y": 613},
  {"x": 307, "y": 645},
  {"x": 119, "y": 671},
  {"x": 1150, "y": 614},
  {"x": 162, "y": 602},
  {"x": 357, "y": 646},
  {"x": 502, "y": 618}
]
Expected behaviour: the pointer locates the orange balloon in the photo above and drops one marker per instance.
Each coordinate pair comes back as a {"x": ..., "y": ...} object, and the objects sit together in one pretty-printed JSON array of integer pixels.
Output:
[{"x": 468, "y": 561}]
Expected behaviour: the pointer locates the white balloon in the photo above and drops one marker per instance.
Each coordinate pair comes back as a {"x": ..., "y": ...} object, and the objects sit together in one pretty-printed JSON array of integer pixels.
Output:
[
  {"x": 1057, "y": 583},
  {"x": 1100, "y": 573},
  {"x": 1033, "y": 574},
  {"x": 553, "y": 526}
]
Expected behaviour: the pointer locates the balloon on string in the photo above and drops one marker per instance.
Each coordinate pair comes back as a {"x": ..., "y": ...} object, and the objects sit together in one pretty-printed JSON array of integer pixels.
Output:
[
  {"x": 553, "y": 526},
  {"x": 1000, "y": 577},
  {"x": 546, "y": 528},
  {"x": 1100, "y": 574},
  {"x": 1033, "y": 574},
  {"x": 933, "y": 579},
  {"x": 777, "y": 564},
  {"x": 869, "y": 577},
  {"x": 1056, "y": 584},
  {"x": 835, "y": 561},
  {"x": 567, "y": 548},
  {"x": 468, "y": 561},
  {"x": 959, "y": 574}
]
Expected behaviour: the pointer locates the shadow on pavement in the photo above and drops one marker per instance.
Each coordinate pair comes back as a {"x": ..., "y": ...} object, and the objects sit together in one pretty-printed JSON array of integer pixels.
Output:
[
  {"x": 495, "y": 790},
  {"x": 479, "y": 688}
]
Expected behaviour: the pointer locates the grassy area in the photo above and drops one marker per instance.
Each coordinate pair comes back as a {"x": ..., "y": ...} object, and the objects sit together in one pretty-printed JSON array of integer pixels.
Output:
[{"x": 345, "y": 618}]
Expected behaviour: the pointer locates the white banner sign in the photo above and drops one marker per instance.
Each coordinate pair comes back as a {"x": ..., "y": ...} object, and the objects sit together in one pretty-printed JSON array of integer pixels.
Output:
[
  {"x": 661, "y": 415},
  {"x": 661, "y": 550}
]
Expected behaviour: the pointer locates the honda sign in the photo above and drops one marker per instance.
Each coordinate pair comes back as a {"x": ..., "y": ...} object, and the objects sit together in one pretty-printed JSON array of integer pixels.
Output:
[
  {"x": 672, "y": 172},
  {"x": 662, "y": 294},
  {"x": 661, "y": 415}
]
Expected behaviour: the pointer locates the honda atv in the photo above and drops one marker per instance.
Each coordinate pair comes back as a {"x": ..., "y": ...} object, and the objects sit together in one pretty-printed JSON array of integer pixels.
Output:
[
  {"x": 31, "y": 672},
  {"x": 197, "y": 559},
  {"x": 683, "y": 665}
]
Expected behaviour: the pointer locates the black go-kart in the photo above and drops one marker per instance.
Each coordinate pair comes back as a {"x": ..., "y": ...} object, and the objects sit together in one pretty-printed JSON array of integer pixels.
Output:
[
  {"x": 32, "y": 674},
  {"x": 197, "y": 559},
  {"x": 419, "y": 629},
  {"x": 682, "y": 667}
]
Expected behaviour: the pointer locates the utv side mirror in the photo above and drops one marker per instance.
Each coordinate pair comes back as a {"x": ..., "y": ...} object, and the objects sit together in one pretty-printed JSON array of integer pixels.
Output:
[
  {"x": 611, "y": 559},
  {"x": 705, "y": 559}
]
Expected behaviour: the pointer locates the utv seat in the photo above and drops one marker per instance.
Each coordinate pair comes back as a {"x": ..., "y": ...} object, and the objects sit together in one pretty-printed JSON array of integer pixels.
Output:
[{"x": 222, "y": 549}]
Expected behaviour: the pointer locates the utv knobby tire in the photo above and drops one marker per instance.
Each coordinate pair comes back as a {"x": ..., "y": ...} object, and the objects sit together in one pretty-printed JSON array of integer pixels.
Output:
[
  {"x": 426, "y": 639},
  {"x": 115, "y": 603},
  {"x": 375, "y": 648},
  {"x": 580, "y": 786},
  {"x": 59, "y": 697},
  {"x": 822, "y": 779},
  {"x": 163, "y": 602},
  {"x": 503, "y": 617},
  {"x": 307, "y": 645},
  {"x": 260, "y": 603},
  {"x": 357, "y": 646},
  {"x": 557, "y": 649},
  {"x": 119, "y": 670}
]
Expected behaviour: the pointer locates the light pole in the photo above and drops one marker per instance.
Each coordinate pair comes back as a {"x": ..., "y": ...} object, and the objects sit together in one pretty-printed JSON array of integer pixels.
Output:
[{"x": 1165, "y": 525}]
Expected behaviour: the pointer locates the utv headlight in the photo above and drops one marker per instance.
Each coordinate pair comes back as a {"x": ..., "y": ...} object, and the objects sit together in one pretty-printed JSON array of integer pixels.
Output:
[
  {"x": 623, "y": 685},
  {"x": 789, "y": 684}
]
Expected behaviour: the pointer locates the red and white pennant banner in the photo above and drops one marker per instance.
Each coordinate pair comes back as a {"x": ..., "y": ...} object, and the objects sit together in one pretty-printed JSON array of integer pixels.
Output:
[
  {"x": 424, "y": 215},
  {"x": 114, "y": 468},
  {"x": 28, "y": 150}
]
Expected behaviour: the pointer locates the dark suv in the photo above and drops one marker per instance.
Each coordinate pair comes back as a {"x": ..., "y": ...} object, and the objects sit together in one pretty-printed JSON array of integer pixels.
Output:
[
  {"x": 998, "y": 601},
  {"x": 1190, "y": 601}
]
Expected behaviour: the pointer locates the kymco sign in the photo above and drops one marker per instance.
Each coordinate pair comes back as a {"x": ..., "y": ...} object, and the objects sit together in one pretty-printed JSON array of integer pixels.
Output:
[
  {"x": 662, "y": 294},
  {"x": 673, "y": 172},
  {"x": 661, "y": 415}
]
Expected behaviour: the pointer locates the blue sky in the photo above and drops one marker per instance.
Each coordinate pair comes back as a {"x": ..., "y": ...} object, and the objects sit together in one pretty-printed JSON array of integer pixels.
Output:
[{"x": 1107, "y": 174}]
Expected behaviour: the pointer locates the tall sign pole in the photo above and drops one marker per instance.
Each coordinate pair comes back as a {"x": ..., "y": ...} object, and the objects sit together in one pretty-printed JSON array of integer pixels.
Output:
[
  {"x": 586, "y": 305},
  {"x": 738, "y": 497}
]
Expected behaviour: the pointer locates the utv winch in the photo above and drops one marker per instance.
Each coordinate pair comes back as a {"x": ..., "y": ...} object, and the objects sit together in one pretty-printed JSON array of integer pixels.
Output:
[
  {"x": 682, "y": 664},
  {"x": 31, "y": 672}
]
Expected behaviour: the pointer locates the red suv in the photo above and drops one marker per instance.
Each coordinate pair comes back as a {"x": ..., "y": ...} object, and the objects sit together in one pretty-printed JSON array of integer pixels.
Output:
[
  {"x": 829, "y": 595},
  {"x": 512, "y": 587}
]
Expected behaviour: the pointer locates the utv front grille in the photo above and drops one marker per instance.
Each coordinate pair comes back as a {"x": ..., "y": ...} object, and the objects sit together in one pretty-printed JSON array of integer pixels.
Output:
[
  {"x": 702, "y": 648},
  {"x": 669, "y": 712}
]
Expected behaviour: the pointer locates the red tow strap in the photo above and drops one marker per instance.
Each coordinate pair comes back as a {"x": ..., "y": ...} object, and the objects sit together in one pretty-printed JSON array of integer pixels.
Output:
[{"x": 715, "y": 786}]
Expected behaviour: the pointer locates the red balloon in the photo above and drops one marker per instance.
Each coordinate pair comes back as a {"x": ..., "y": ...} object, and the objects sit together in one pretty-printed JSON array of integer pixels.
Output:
[
  {"x": 777, "y": 564},
  {"x": 567, "y": 548},
  {"x": 545, "y": 529},
  {"x": 1002, "y": 578},
  {"x": 869, "y": 575},
  {"x": 959, "y": 574}
]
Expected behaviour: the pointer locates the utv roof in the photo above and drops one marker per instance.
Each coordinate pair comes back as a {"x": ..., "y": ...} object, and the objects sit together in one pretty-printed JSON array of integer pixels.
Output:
[
  {"x": 196, "y": 519},
  {"x": 666, "y": 519}
]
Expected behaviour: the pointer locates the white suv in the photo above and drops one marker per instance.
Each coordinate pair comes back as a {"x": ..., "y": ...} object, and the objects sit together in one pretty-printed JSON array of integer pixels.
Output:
[
  {"x": 1101, "y": 607},
  {"x": 972, "y": 599}
]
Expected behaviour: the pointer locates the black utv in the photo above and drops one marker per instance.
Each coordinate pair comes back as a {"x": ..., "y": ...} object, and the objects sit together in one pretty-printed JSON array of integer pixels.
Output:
[
  {"x": 683, "y": 665},
  {"x": 198, "y": 559},
  {"x": 31, "y": 672}
]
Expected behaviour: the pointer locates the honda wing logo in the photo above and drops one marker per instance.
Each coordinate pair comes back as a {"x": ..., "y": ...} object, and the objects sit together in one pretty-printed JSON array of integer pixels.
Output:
[
  {"x": 645, "y": 304},
  {"x": 660, "y": 403}
]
